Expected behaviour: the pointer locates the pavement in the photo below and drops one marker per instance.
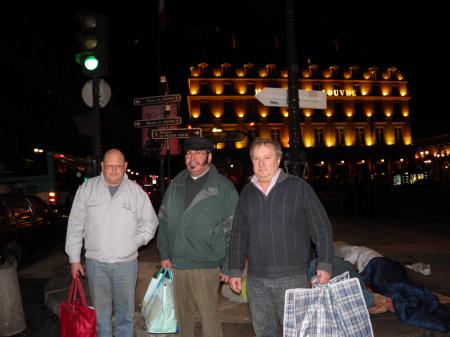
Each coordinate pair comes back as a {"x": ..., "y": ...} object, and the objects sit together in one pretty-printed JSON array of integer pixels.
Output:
[{"x": 405, "y": 239}]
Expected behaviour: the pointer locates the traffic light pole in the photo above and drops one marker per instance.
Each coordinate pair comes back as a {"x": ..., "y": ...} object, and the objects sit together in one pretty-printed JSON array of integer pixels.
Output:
[
  {"x": 97, "y": 121},
  {"x": 297, "y": 158}
]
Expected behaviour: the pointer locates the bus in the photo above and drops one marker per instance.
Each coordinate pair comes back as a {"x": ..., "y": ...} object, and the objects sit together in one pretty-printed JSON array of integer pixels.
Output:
[{"x": 53, "y": 177}]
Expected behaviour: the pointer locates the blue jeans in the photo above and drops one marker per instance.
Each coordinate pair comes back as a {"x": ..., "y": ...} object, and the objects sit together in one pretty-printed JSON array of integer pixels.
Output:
[
  {"x": 266, "y": 302},
  {"x": 113, "y": 284}
]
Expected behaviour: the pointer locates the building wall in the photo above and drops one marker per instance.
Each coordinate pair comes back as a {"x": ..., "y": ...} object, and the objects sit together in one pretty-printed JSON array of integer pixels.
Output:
[{"x": 367, "y": 108}]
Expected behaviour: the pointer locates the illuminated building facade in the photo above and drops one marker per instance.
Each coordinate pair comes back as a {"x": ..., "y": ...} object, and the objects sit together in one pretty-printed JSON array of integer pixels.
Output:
[
  {"x": 433, "y": 158},
  {"x": 365, "y": 127}
]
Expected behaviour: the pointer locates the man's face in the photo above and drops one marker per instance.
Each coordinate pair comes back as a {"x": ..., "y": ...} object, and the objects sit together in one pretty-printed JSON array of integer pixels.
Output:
[
  {"x": 197, "y": 161},
  {"x": 113, "y": 167},
  {"x": 265, "y": 162}
]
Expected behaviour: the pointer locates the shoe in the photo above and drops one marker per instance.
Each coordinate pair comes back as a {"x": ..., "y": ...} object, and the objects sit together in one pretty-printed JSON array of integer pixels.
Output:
[{"x": 420, "y": 267}]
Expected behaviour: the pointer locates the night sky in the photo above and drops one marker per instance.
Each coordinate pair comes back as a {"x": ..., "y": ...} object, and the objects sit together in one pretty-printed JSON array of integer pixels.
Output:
[{"x": 43, "y": 82}]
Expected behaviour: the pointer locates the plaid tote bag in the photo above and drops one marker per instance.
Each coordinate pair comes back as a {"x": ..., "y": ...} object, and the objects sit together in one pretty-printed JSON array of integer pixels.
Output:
[{"x": 336, "y": 309}]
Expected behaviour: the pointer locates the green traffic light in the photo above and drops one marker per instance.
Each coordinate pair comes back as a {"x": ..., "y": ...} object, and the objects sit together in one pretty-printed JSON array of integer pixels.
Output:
[{"x": 91, "y": 63}]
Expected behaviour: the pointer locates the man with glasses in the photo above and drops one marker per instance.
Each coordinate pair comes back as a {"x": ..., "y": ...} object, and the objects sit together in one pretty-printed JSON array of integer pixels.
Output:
[
  {"x": 195, "y": 220},
  {"x": 114, "y": 217}
]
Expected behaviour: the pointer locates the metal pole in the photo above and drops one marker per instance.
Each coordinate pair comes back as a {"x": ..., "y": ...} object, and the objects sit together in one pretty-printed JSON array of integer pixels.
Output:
[
  {"x": 97, "y": 121},
  {"x": 297, "y": 162}
]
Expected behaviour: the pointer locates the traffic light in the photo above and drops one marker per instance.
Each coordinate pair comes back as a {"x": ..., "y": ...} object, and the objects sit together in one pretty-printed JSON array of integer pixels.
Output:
[{"x": 93, "y": 39}]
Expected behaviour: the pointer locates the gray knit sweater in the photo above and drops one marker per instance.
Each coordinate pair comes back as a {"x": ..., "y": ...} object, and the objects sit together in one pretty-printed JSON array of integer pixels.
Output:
[{"x": 275, "y": 231}]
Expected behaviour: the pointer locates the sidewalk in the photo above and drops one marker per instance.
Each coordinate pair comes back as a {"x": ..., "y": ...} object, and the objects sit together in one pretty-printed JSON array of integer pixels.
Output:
[{"x": 406, "y": 241}]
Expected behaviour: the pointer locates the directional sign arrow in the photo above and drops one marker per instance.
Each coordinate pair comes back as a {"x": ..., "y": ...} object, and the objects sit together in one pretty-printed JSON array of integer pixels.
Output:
[
  {"x": 149, "y": 123},
  {"x": 176, "y": 133},
  {"x": 154, "y": 100},
  {"x": 313, "y": 99}
]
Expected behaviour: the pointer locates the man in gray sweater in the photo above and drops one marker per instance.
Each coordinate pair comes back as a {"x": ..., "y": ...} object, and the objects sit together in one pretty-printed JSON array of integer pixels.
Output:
[{"x": 277, "y": 217}]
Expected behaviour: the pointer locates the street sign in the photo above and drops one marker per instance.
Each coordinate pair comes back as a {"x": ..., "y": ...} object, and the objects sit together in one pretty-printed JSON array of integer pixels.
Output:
[
  {"x": 313, "y": 99},
  {"x": 153, "y": 100},
  {"x": 176, "y": 133},
  {"x": 226, "y": 137},
  {"x": 150, "y": 123}
]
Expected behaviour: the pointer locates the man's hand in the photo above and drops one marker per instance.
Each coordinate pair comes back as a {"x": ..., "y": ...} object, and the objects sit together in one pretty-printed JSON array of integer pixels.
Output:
[
  {"x": 224, "y": 278},
  {"x": 166, "y": 264},
  {"x": 75, "y": 269},
  {"x": 323, "y": 276},
  {"x": 235, "y": 284}
]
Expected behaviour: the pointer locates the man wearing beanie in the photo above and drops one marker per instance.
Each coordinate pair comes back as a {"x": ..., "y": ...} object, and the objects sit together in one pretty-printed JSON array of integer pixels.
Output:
[{"x": 195, "y": 221}]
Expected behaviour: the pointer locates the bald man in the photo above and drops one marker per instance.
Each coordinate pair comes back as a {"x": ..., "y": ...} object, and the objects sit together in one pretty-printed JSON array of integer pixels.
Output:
[{"x": 114, "y": 217}]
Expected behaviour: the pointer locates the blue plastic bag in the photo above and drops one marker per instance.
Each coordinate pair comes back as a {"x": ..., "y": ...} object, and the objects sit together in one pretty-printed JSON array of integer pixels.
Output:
[{"x": 158, "y": 308}]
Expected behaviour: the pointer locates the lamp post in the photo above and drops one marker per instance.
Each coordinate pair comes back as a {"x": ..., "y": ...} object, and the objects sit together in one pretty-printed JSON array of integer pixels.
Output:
[{"x": 297, "y": 160}]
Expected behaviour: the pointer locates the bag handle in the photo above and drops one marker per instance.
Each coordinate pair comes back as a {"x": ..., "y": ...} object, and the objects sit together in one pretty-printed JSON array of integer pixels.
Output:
[
  {"x": 75, "y": 290},
  {"x": 164, "y": 272}
]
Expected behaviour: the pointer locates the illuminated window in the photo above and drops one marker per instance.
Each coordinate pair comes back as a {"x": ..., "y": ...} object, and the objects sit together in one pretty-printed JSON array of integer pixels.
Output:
[{"x": 340, "y": 139}]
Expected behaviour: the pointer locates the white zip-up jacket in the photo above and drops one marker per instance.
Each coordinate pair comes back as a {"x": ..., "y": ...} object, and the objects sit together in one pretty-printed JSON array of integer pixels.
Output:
[{"x": 113, "y": 228}]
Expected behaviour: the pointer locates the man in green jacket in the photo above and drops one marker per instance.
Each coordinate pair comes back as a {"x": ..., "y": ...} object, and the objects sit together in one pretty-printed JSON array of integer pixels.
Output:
[{"x": 195, "y": 221}]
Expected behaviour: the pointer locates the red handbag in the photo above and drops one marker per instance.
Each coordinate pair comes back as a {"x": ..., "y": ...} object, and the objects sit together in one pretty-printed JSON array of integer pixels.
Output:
[{"x": 75, "y": 317}]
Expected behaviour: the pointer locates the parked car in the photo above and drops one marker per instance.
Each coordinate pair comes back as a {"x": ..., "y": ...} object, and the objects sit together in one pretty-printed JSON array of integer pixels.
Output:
[{"x": 26, "y": 223}]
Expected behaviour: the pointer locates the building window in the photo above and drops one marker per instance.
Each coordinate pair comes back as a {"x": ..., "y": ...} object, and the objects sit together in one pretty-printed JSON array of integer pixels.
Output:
[
  {"x": 276, "y": 134},
  {"x": 251, "y": 108},
  {"x": 317, "y": 86},
  {"x": 360, "y": 136},
  {"x": 398, "y": 136},
  {"x": 228, "y": 108},
  {"x": 253, "y": 133},
  {"x": 250, "y": 88},
  {"x": 340, "y": 139},
  {"x": 228, "y": 88},
  {"x": 379, "y": 133},
  {"x": 204, "y": 88},
  {"x": 318, "y": 137},
  {"x": 204, "y": 110}
]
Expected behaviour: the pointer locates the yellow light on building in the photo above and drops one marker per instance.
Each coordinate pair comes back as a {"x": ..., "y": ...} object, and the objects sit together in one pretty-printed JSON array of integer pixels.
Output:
[
  {"x": 263, "y": 114},
  {"x": 217, "y": 72},
  {"x": 241, "y": 114},
  {"x": 195, "y": 114},
  {"x": 262, "y": 72},
  {"x": 240, "y": 72},
  {"x": 242, "y": 89},
  {"x": 307, "y": 112},
  {"x": 285, "y": 113},
  {"x": 219, "y": 91}
]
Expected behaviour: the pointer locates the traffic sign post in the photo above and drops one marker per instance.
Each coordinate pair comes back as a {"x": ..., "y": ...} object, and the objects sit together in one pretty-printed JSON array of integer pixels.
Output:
[
  {"x": 176, "y": 133},
  {"x": 313, "y": 99},
  {"x": 150, "y": 123},
  {"x": 154, "y": 100}
]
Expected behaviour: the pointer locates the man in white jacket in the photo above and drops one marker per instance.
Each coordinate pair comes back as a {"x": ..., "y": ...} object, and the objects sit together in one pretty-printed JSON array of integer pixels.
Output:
[{"x": 114, "y": 217}]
